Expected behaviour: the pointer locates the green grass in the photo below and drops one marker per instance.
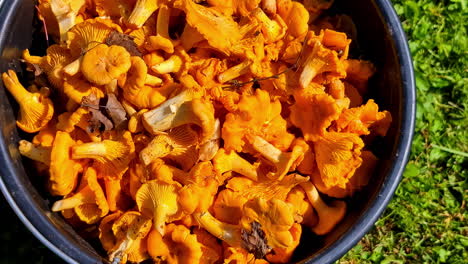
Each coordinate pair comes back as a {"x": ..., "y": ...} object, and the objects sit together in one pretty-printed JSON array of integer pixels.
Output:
[{"x": 426, "y": 222}]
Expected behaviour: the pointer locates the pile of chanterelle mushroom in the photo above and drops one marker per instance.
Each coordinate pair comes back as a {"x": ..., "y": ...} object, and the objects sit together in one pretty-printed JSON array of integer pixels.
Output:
[{"x": 197, "y": 131}]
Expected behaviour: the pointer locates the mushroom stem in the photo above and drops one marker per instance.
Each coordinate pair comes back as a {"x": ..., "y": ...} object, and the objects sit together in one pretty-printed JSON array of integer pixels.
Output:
[
  {"x": 173, "y": 64},
  {"x": 159, "y": 218},
  {"x": 282, "y": 161},
  {"x": 85, "y": 195},
  {"x": 113, "y": 192},
  {"x": 153, "y": 80},
  {"x": 235, "y": 71},
  {"x": 233, "y": 162},
  {"x": 128, "y": 108},
  {"x": 15, "y": 88},
  {"x": 162, "y": 22},
  {"x": 73, "y": 68},
  {"x": 93, "y": 150},
  {"x": 266, "y": 149},
  {"x": 228, "y": 233},
  {"x": 329, "y": 216},
  {"x": 32, "y": 59},
  {"x": 312, "y": 67},
  {"x": 37, "y": 153},
  {"x": 272, "y": 30},
  {"x": 141, "y": 12}
]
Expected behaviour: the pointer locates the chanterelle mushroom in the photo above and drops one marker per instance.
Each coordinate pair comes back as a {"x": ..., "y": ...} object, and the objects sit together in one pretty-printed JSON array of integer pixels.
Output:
[
  {"x": 65, "y": 12},
  {"x": 179, "y": 110},
  {"x": 225, "y": 162},
  {"x": 89, "y": 202},
  {"x": 128, "y": 229},
  {"x": 36, "y": 110},
  {"x": 111, "y": 156},
  {"x": 35, "y": 152},
  {"x": 102, "y": 64},
  {"x": 158, "y": 200},
  {"x": 63, "y": 169},
  {"x": 329, "y": 216}
]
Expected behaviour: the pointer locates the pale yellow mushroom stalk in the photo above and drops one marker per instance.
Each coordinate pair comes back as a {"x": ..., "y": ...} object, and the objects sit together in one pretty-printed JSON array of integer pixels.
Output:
[
  {"x": 172, "y": 65},
  {"x": 66, "y": 11},
  {"x": 225, "y": 162},
  {"x": 162, "y": 40},
  {"x": 211, "y": 147},
  {"x": 272, "y": 29},
  {"x": 235, "y": 71},
  {"x": 230, "y": 234},
  {"x": 329, "y": 216},
  {"x": 35, "y": 152},
  {"x": 142, "y": 11},
  {"x": 283, "y": 161},
  {"x": 180, "y": 110}
]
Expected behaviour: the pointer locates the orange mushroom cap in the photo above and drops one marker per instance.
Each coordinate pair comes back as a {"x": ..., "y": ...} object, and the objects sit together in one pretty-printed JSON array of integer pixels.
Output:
[
  {"x": 63, "y": 169},
  {"x": 268, "y": 124}
]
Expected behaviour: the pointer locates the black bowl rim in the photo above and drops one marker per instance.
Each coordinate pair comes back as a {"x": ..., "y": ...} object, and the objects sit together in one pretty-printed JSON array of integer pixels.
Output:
[{"x": 38, "y": 223}]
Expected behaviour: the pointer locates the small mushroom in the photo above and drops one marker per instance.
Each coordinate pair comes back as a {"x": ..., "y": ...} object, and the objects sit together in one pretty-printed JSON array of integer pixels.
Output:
[
  {"x": 68, "y": 122},
  {"x": 66, "y": 12},
  {"x": 212, "y": 251},
  {"x": 272, "y": 29},
  {"x": 235, "y": 71},
  {"x": 142, "y": 11},
  {"x": 209, "y": 149},
  {"x": 275, "y": 217},
  {"x": 228, "y": 233},
  {"x": 295, "y": 16},
  {"x": 329, "y": 216},
  {"x": 172, "y": 65},
  {"x": 338, "y": 155},
  {"x": 313, "y": 121},
  {"x": 268, "y": 123},
  {"x": 103, "y": 63},
  {"x": 282, "y": 161},
  {"x": 36, "y": 110},
  {"x": 148, "y": 97},
  {"x": 319, "y": 60},
  {"x": 52, "y": 64},
  {"x": 63, "y": 169},
  {"x": 128, "y": 229},
  {"x": 106, "y": 236},
  {"x": 178, "y": 245},
  {"x": 175, "y": 144},
  {"x": 86, "y": 36},
  {"x": 158, "y": 200},
  {"x": 76, "y": 89},
  {"x": 138, "y": 76},
  {"x": 162, "y": 40},
  {"x": 89, "y": 202},
  {"x": 200, "y": 189},
  {"x": 112, "y": 156},
  {"x": 179, "y": 110},
  {"x": 359, "y": 179},
  {"x": 225, "y": 162},
  {"x": 35, "y": 152},
  {"x": 284, "y": 255}
]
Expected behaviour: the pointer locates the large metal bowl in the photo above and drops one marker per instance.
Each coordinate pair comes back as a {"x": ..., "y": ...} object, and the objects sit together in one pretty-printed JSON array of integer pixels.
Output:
[{"x": 381, "y": 40}]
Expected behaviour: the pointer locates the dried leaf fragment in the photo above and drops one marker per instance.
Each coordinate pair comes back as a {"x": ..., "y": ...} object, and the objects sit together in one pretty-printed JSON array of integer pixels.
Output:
[{"x": 124, "y": 40}]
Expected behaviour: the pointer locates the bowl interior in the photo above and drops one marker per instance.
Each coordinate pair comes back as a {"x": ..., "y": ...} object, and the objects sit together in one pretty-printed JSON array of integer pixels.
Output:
[{"x": 374, "y": 42}]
